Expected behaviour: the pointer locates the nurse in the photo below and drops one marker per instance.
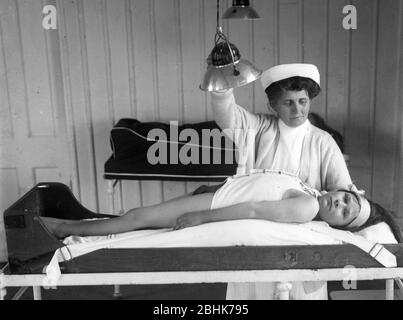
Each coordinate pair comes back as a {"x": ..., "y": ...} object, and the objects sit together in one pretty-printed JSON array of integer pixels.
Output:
[{"x": 283, "y": 139}]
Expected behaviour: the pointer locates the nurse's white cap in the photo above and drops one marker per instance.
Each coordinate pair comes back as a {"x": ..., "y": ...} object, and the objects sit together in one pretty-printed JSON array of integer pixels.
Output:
[{"x": 285, "y": 71}]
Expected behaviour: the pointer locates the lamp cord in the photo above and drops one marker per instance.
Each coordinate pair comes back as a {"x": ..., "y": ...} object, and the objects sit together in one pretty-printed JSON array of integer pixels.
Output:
[
  {"x": 218, "y": 15},
  {"x": 220, "y": 35}
]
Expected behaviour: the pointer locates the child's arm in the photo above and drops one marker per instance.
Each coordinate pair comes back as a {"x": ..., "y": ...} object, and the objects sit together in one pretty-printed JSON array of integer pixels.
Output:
[{"x": 299, "y": 209}]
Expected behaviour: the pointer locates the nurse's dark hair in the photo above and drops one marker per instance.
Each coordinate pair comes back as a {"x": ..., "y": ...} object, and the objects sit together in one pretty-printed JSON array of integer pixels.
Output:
[
  {"x": 379, "y": 214},
  {"x": 275, "y": 90}
]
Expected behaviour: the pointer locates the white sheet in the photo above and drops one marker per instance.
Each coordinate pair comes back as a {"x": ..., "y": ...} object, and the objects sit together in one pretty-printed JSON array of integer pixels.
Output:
[{"x": 225, "y": 233}]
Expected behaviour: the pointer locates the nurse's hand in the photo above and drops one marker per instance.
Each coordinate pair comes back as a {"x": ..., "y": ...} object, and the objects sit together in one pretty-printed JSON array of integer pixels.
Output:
[{"x": 190, "y": 219}]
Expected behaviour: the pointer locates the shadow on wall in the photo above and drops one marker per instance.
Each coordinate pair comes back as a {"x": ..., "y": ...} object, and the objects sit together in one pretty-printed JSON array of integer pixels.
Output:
[
  {"x": 319, "y": 122},
  {"x": 375, "y": 157}
]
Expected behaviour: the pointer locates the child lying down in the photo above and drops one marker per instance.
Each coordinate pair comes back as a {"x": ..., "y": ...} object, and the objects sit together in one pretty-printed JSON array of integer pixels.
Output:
[{"x": 269, "y": 195}]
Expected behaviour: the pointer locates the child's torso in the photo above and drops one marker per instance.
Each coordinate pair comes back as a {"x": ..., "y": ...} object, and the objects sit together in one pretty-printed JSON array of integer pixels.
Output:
[{"x": 257, "y": 186}]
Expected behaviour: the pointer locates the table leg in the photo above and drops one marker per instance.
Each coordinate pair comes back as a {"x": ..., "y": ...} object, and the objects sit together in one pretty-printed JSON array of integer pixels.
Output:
[
  {"x": 116, "y": 292},
  {"x": 37, "y": 293},
  {"x": 390, "y": 292},
  {"x": 3, "y": 290}
]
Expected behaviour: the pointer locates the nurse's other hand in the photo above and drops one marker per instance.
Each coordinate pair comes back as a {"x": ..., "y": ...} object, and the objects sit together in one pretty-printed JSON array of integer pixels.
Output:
[{"x": 190, "y": 219}]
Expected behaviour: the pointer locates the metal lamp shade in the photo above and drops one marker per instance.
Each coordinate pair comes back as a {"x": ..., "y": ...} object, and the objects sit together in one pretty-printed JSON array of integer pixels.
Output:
[
  {"x": 241, "y": 10},
  {"x": 226, "y": 69},
  {"x": 223, "y": 77}
]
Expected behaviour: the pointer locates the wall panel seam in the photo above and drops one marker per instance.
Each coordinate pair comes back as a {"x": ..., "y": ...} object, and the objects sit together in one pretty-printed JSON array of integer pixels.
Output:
[
  {"x": 374, "y": 85},
  {"x": 398, "y": 178},
  {"x": 87, "y": 96},
  {"x": 349, "y": 48},
  {"x": 108, "y": 61},
  {"x": 301, "y": 21},
  {"x": 26, "y": 100},
  {"x": 179, "y": 61},
  {"x": 277, "y": 30},
  {"x": 67, "y": 96},
  {"x": 131, "y": 58},
  {"x": 50, "y": 84},
  {"x": 326, "y": 57},
  {"x": 202, "y": 39},
  {"x": 154, "y": 48},
  {"x": 6, "y": 79}
]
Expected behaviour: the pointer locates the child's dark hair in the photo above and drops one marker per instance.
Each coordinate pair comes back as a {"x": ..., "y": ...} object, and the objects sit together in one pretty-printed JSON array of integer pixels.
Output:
[
  {"x": 379, "y": 214},
  {"x": 275, "y": 90}
]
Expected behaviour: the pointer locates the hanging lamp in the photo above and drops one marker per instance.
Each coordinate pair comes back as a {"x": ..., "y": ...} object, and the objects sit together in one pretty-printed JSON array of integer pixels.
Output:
[
  {"x": 241, "y": 10},
  {"x": 226, "y": 69}
]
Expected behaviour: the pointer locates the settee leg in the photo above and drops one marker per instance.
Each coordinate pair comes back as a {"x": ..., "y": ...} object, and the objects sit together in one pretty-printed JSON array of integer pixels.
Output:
[
  {"x": 112, "y": 210},
  {"x": 111, "y": 196},
  {"x": 283, "y": 291}
]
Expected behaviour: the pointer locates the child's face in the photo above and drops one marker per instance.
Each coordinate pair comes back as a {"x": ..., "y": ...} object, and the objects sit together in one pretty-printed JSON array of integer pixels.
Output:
[
  {"x": 338, "y": 208},
  {"x": 293, "y": 107}
]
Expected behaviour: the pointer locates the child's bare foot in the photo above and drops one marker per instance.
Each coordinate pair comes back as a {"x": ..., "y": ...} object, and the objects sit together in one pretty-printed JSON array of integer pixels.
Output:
[{"x": 54, "y": 226}]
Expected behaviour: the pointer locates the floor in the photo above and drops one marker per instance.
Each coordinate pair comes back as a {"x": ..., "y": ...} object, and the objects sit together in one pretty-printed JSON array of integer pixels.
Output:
[
  {"x": 141, "y": 292},
  {"x": 367, "y": 290}
]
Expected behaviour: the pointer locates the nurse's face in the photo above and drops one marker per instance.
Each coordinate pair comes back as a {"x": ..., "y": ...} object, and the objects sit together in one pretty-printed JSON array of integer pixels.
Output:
[
  {"x": 338, "y": 208},
  {"x": 293, "y": 107}
]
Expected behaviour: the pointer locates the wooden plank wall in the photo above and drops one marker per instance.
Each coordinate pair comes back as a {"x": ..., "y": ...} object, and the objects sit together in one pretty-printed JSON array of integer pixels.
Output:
[
  {"x": 62, "y": 90},
  {"x": 33, "y": 139}
]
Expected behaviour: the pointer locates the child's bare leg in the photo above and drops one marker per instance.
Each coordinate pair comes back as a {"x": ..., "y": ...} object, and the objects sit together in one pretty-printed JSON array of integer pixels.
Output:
[
  {"x": 162, "y": 215},
  {"x": 165, "y": 214}
]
